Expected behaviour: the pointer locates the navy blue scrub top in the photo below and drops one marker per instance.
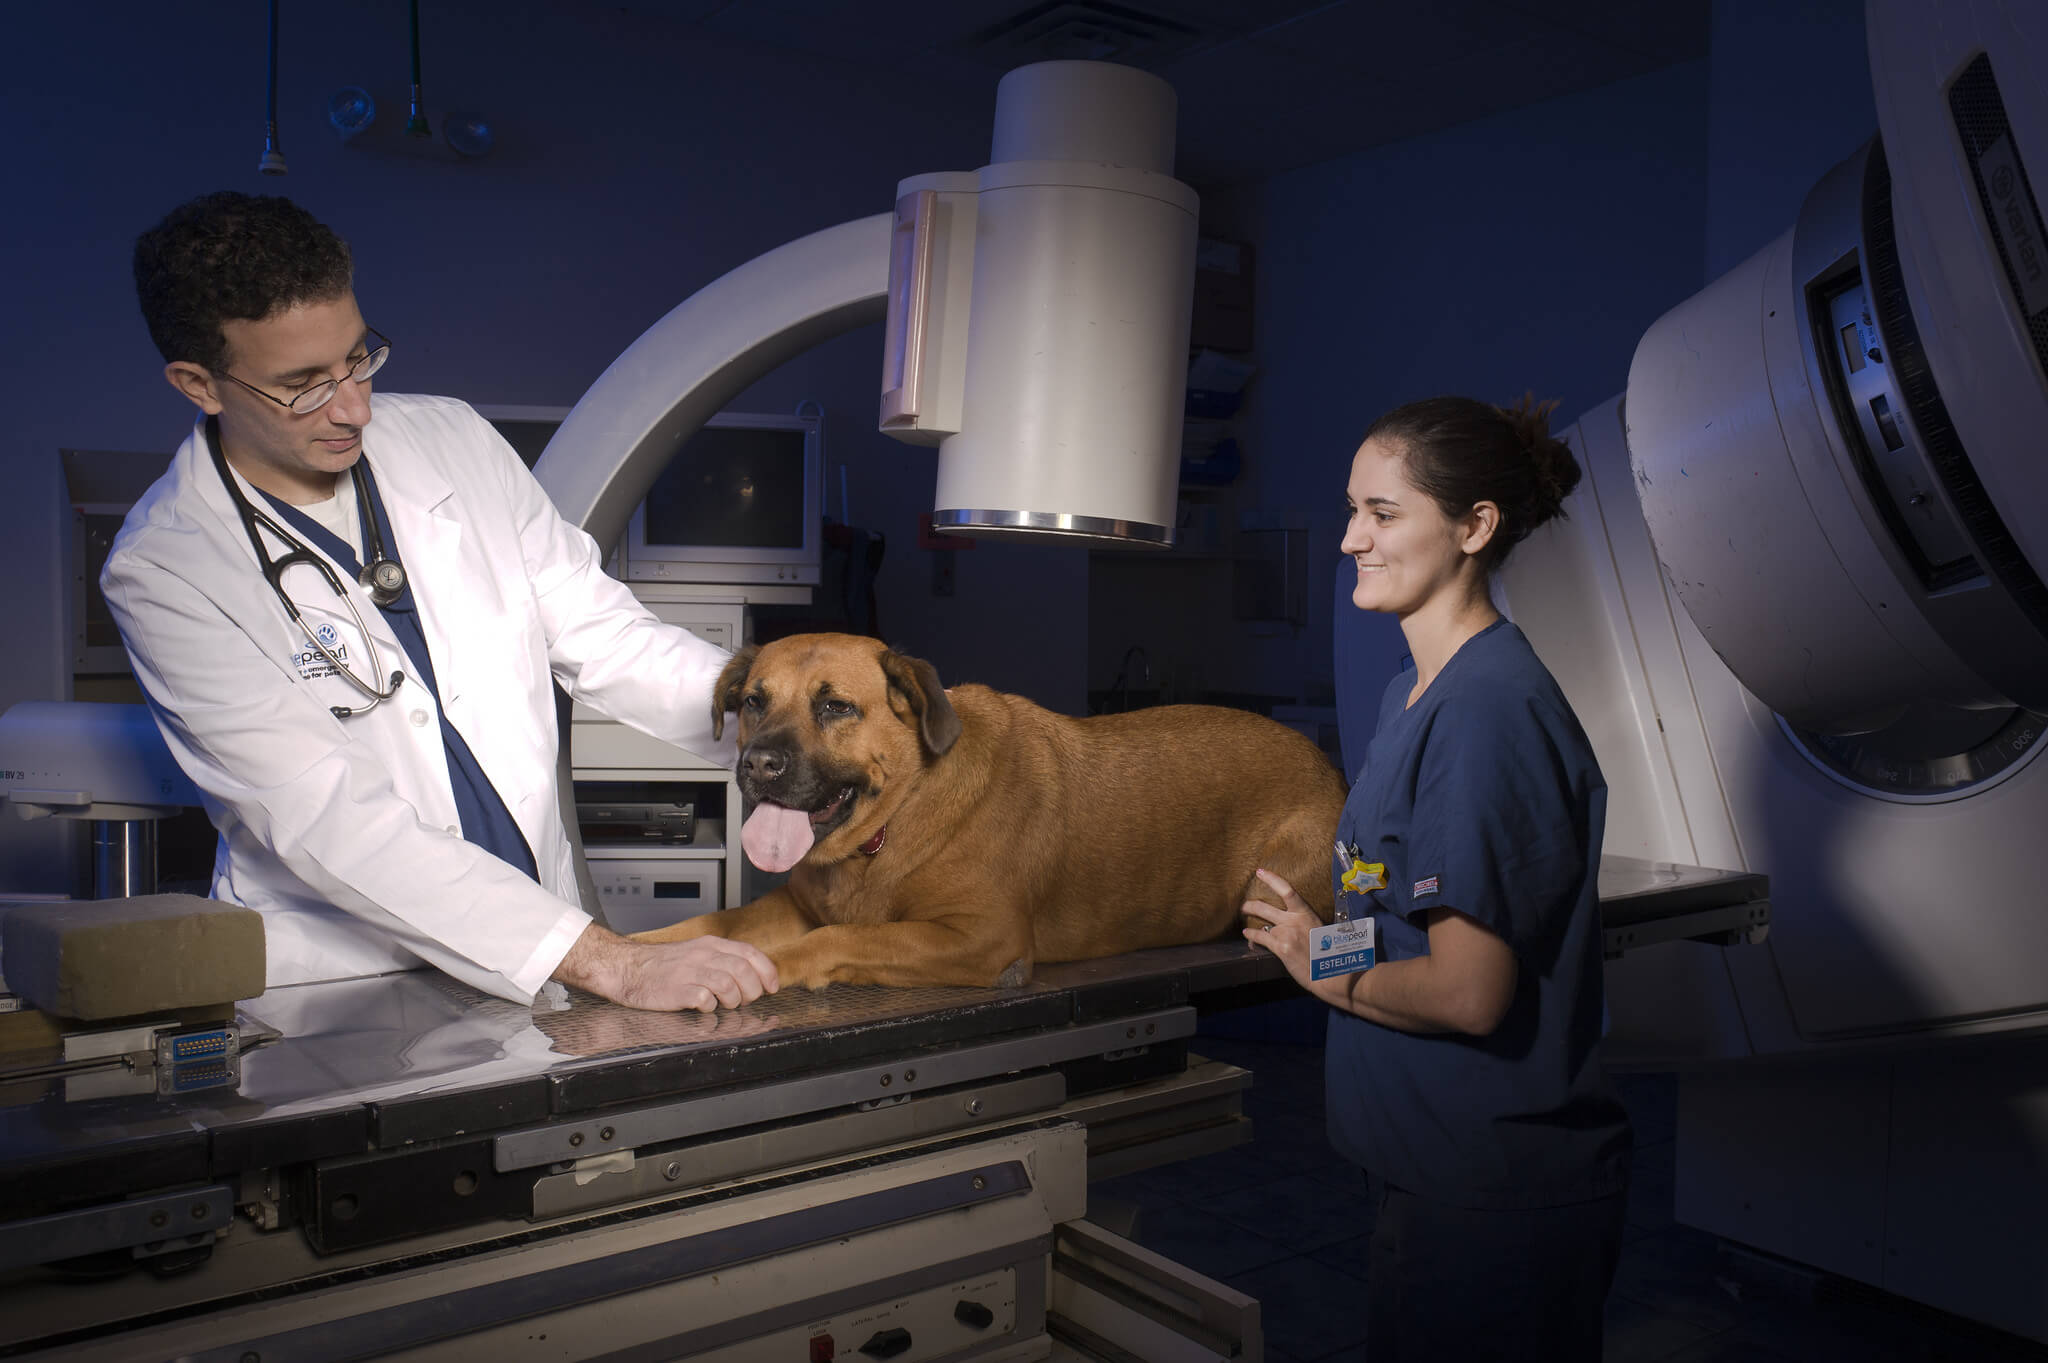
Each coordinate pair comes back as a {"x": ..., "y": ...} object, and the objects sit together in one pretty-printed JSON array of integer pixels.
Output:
[
  {"x": 485, "y": 819},
  {"x": 1484, "y": 797}
]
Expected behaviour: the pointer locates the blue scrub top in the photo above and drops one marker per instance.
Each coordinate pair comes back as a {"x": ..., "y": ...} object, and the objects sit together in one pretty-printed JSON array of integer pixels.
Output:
[
  {"x": 1484, "y": 797},
  {"x": 485, "y": 819}
]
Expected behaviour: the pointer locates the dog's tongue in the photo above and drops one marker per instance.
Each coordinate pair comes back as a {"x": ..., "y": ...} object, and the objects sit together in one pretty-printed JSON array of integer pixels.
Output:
[{"x": 775, "y": 836}]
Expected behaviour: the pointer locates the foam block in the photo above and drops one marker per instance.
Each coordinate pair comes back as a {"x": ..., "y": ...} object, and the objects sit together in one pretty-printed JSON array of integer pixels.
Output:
[{"x": 110, "y": 958}]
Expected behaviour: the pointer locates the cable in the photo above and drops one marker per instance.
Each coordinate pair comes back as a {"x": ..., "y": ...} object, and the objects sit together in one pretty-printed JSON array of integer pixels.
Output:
[
  {"x": 817, "y": 410},
  {"x": 272, "y": 162},
  {"x": 415, "y": 126}
]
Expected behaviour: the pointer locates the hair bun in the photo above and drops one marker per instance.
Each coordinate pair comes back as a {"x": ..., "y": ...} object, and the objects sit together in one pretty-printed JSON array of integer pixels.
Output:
[
  {"x": 1557, "y": 472},
  {"x": 1461, "y": 451}
]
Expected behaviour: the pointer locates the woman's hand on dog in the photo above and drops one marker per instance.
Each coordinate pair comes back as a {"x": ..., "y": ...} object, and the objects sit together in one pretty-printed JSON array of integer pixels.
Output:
[{"x": 1282, "y": 930}]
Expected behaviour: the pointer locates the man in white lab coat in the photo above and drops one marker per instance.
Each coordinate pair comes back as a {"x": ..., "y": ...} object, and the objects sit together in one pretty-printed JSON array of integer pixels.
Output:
[{"x": 379, "y": 755}]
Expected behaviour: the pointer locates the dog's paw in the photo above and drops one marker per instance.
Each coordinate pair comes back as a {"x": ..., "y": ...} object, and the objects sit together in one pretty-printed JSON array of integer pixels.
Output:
[{"x": 796, "y": 972}]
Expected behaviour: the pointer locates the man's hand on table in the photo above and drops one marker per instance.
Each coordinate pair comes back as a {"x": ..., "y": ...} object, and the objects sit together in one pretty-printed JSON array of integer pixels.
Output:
[{"x": 704, "y": 973}]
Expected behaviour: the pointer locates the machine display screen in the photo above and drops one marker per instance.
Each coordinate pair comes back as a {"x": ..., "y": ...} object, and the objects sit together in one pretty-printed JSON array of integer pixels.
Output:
[{"x": 731, "y": 487}]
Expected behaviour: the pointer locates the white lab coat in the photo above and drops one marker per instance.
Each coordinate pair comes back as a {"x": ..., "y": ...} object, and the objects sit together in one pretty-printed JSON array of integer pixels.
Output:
[{"x": 344, "y": 832}]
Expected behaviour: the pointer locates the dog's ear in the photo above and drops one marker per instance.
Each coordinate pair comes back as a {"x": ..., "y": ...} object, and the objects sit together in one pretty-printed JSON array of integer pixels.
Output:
[
  {"x": 725, "y": 695},
  {"x": 938, "y": 724}
]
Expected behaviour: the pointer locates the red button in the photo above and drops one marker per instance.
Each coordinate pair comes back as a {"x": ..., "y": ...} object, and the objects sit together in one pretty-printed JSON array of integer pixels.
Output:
[{"x": 822, "y": 1350}]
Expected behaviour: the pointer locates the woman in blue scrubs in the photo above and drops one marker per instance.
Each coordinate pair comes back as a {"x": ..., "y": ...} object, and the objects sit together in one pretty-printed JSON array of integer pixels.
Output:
[{"x": 1463, "y": 1067}]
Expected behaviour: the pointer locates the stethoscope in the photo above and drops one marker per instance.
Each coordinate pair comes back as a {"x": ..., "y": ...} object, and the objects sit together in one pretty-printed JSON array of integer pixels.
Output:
[{"x": 382, "y": 577}]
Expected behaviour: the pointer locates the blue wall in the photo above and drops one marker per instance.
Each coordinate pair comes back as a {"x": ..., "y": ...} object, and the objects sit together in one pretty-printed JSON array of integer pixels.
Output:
[
  {"x": 1527, "y": 251},
  {"x": 1788, "y": 98}
]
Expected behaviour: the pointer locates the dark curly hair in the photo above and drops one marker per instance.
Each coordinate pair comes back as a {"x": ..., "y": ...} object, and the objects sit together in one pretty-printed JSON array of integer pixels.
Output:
[
  {"x": 230, "y": 256},
  {"x": 1461, "y": 451}
]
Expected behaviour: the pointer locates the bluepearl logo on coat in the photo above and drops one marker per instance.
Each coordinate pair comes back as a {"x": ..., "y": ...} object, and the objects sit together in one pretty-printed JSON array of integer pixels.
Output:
[
  {"x": 1423, "y": 887},
  {"x": 311, "y": 664}
]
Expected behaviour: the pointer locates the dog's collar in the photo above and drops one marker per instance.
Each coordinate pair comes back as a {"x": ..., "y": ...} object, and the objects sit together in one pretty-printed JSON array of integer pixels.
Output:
[{"x": 874, "y": 844}]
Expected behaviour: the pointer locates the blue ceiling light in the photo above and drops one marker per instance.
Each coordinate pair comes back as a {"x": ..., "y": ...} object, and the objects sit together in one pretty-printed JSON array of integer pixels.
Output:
[
  {"x": 351, "y": 110},
  {"x": 436, "y": 136},
  {"x": 470, "y": 134}
]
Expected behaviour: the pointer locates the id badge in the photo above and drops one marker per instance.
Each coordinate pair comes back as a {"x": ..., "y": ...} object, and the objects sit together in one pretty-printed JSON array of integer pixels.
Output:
[{"x": 1344, "y": 947}]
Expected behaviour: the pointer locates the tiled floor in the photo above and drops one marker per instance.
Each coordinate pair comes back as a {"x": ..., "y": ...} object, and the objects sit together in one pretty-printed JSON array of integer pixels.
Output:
[{"x": 1285, "y": 1220}]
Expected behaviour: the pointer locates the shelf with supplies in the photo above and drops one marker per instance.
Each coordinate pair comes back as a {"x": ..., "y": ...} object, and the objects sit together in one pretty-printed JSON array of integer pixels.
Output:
[
  {"x": 1210, "y": 462},
  {"x": 654, "y": 863},
  {"x": 681, "y": 818},
  {"x": 1266, "y": 551},
  {"x": 649, "y": 872}
]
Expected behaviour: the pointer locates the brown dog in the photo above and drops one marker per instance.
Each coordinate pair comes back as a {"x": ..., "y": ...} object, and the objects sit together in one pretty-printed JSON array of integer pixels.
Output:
[{"x": 957, "y": 838}]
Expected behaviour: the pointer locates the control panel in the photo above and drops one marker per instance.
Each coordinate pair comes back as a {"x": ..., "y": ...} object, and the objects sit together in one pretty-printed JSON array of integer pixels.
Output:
[{"x": 641, "y": 888}]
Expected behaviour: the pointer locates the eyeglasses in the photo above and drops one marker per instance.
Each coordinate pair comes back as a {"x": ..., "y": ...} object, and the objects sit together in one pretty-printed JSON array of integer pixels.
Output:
[{"x": 316, "y": 397}]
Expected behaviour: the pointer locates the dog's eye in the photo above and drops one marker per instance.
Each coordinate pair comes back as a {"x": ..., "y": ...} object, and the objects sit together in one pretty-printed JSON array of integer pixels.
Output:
[
  {"x": 835, "y": 709},
  {"x": 750, "y": 702}
]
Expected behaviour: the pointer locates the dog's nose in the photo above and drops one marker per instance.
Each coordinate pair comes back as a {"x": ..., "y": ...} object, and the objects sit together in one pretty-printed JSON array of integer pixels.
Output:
[{"x": 765, "y": 765}]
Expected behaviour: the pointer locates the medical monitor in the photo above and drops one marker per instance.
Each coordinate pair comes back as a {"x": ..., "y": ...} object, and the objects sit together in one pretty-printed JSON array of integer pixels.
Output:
[{"x": 740, "y": 500}]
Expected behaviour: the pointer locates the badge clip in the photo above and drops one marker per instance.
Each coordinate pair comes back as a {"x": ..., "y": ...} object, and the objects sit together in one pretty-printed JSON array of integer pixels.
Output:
[{"x": 1365, "y": 876}]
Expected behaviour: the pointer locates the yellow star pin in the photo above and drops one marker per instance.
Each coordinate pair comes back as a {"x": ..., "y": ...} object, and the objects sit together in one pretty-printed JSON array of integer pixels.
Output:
[{"x": 1364, "y": 876}]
